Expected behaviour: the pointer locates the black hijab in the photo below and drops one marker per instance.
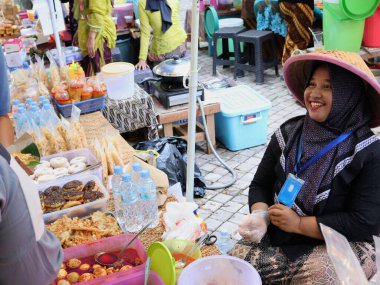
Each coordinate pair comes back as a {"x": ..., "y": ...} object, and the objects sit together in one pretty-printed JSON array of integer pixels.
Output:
[
  {"x": 349, "y": 112},
  {"x": 164, "y": 8}
]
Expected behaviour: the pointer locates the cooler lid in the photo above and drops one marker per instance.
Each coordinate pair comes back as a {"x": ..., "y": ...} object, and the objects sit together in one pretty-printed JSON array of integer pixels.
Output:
[
  {"x": 359, "y": 10},
  {"x": 241, "y": 99},
  {"x": 162, "y": 262}
]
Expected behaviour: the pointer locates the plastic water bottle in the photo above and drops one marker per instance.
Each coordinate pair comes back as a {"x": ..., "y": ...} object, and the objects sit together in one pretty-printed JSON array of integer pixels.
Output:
[
  {"x": 15, "y": 104},
  {"x": 148, "y": 196},
  {"x": 22, "y": 122},
  {"x": 115, "y": 184},
  {"x": 45, "y": 115},
  {"x": 28, "y": 103},
  {"x": 136, "y": 169},
  {"x": 35, "y": 115},
  {"x": 41, "y": 101},
  {"x": 224, "y": 242},
  {"x": 131, "y": 204}
]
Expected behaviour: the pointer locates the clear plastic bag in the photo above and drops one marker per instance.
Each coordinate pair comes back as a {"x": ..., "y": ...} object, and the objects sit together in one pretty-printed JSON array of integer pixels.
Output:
[{"x": 346, "y": 264}]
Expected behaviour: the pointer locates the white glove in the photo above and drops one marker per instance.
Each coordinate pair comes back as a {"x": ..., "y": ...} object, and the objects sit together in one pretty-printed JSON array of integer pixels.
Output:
[{"x": 254, "y": 226}]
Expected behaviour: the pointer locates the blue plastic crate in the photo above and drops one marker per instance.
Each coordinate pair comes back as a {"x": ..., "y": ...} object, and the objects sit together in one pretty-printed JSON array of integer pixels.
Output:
[
  {"x": 87, "y": 106},
  {"x": 243, "y": 120}
]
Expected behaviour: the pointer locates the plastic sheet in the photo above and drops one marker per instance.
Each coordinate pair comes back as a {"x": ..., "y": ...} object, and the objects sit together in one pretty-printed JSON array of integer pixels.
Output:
[{"x": 172, "y": 161}]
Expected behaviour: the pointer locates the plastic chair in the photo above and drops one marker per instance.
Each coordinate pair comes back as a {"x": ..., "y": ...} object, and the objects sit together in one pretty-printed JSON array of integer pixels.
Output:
[
  {"x": 255, "y": 58},
  {"x": 213, "y": 23}
]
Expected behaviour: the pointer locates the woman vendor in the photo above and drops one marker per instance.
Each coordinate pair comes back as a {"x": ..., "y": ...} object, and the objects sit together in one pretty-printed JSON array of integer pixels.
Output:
[
  {"x": 169, "y": 37},
  {"x": 333, "y": 157},
  {"x": 96, "y": 33}
]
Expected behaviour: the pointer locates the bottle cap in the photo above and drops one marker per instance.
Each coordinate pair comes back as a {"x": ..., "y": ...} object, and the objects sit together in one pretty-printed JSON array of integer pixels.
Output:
[
  {"x": 21, "y": 110},
  {"x": 29, "y": 101},
  {"x": 15, "y": 102},
  {"x": 136, "y": 166},
  {"x": 144, "y": 173},
  {"x": 33, "y": 108},
  {"x": 42, "y": 98},
  {"x": 117, "y": 170},
  {"x": 223, "y": 232},
  {"x": 126, "y": 177},
  {"x": 34, "y": 104},
  {"x": 46, "y": 106}
]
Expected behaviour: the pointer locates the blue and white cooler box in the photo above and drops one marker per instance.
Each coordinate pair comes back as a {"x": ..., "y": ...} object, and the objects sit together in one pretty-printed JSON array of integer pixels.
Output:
[{"x": 243, "y": 120}]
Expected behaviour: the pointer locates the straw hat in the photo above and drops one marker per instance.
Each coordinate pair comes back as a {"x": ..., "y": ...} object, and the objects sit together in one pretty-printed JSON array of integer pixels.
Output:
[{"x": 297, "y": 68}]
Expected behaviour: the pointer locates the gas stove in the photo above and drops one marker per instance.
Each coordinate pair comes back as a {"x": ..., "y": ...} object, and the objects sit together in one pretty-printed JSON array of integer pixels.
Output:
[{"x": 170, "y": 97}]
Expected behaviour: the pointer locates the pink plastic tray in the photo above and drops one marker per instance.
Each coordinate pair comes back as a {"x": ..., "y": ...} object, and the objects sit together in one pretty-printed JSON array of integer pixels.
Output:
[
  {"x": 111, "y": 244},
  {"x": 136, "y": 278}
]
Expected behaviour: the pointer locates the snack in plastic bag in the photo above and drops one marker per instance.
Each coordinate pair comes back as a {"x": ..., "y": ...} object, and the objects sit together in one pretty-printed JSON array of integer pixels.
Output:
[
  {"x": 55, "y": 78},
  {"x": 254, "y": 226},
  {"x": 346, "y": 264}
]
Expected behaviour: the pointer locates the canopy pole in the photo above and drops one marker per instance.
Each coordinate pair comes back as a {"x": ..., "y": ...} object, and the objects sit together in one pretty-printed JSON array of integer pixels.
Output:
[
  {"x": 193, "y": 86},
  {"x": 53, "y": 17}
]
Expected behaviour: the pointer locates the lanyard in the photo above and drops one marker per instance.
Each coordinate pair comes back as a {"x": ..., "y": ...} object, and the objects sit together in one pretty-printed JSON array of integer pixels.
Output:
[{"x": 298, "y": 169}]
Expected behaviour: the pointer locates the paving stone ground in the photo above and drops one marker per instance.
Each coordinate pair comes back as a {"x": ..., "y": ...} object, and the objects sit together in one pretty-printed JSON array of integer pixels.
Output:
[{"x": 224, "y": 208}]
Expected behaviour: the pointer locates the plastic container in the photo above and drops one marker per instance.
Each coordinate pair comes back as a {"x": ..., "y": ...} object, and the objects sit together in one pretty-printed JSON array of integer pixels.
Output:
[
  {"x": 87, "y": 106},
  {"x": 371, "y": 30},
  {"x": 343, "y": 23},
  {"x": 80, "y": 210},
  {"x": 119, "y": 79},
  {"x": 243, "y": 120},
  {"x": 135, "y": 278},
  {"x": 120, "y": 11},
  {"x": 90, "y": 157},
  {"x": 111, "y": 244},
  {"x": 219, "y": 269},
  {"x": 178, "y": 249}
]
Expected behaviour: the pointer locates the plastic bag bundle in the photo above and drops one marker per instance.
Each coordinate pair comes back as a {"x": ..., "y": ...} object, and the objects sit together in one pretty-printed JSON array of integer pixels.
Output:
[{"x": 173, "y": 161}]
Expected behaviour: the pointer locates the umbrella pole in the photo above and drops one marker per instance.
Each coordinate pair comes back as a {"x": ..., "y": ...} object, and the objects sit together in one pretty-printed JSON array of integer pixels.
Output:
[
  {"x": 193, "y": 85},
  {"x": 54, "y": 25}
]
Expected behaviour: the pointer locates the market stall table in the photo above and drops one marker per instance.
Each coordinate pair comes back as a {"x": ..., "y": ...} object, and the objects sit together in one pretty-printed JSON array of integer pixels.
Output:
[
  {"x": 134, "y": 113},
  {"x": 167, "y": 117}
]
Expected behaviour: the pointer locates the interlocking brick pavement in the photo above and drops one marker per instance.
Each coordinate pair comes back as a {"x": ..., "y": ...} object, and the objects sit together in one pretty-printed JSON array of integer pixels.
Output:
[{"x": 225, "y": 208}]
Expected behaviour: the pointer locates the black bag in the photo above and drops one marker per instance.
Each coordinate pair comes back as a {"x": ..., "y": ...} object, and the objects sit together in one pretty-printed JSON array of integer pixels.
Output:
[{"x": 173, "y": 161}]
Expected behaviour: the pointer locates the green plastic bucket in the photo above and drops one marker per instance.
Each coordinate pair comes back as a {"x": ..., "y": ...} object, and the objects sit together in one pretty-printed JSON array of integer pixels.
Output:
[{"x": 343, "y": 23}]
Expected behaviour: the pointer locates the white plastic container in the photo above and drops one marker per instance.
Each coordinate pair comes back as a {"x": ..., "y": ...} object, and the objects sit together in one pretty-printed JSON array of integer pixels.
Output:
[
  {"x": 219, "y": 269},
  {"x": 90, "y": 157},
  {"x": 80, "y": 210},
  {"x": 119, "y": 79},
  {"x": 243, "y": 120}
]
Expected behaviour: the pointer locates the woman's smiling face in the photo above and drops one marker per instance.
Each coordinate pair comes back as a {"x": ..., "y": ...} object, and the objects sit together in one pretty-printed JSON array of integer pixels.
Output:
[{"x": 318, "y": 95}]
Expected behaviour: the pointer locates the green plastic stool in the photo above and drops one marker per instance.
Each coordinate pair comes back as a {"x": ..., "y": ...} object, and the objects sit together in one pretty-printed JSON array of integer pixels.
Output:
[{"x": 211, "y": 22}]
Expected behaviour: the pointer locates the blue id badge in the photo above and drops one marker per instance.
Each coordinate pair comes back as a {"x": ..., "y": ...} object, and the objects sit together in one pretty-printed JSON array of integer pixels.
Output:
[{"x": 290, "y": 189}]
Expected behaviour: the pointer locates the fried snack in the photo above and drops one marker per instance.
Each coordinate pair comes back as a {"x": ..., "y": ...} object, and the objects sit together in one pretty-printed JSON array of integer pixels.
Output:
[
  {"x": 73, "y": 277},
  {"x": 126, "y": 267},
  {"x": 73, "y": 185},
  {"x": 62, "y": 273},
  {"x": 74, "y": 231},
  {"x": 66, "y": 136},
  {"x": 26, "y": 158},
  {"x": 71, "y": 204},
  {"x": 72, "y": 195},
  {"x": 86, "y": 277},
  {"x": 80, "y": 131},
  {"x": 100, "y": 272},
  {"x": 73, "y": 263},
  {"x": 110, "y": 270},
  {"x": 63, "y": 282},
  {"x": 84, "y": 267},
  {"x": 50, "y": 140}
]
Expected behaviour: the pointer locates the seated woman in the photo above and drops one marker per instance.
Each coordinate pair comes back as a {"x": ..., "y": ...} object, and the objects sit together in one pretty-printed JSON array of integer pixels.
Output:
[
  {"x": 341, "y": 187},
  {"x": 96, "y": 33},
  {"x": 168, "y": 35}
]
